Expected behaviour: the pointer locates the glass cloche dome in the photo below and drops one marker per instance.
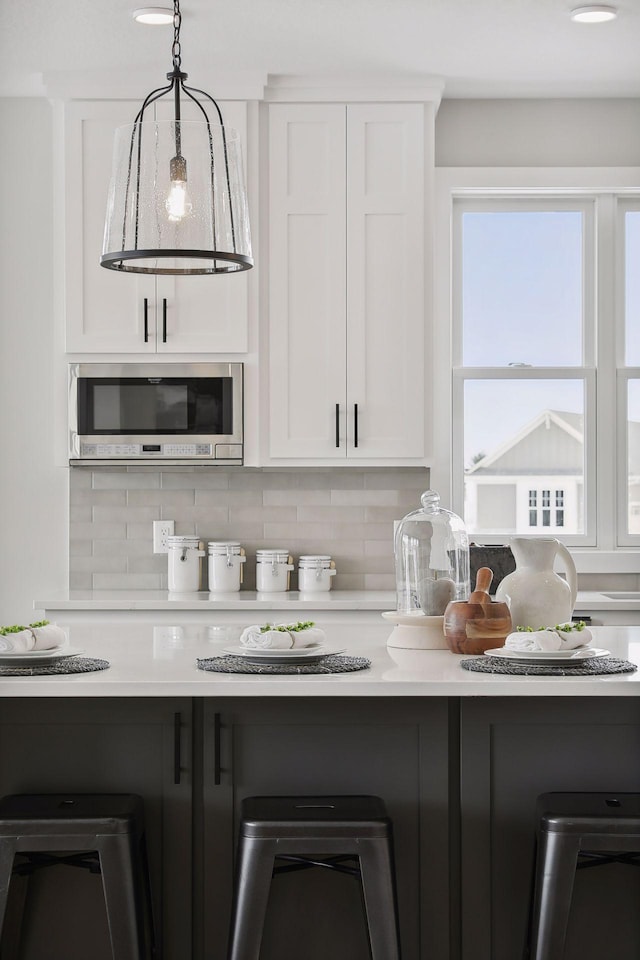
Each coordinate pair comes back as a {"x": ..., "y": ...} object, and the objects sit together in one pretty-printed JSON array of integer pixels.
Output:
[{"x": 432, "y": 559}]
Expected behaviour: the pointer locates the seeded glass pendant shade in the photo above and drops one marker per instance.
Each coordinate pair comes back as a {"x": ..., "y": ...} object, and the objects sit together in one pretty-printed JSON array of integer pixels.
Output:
[{"x": 177, "y": 202}]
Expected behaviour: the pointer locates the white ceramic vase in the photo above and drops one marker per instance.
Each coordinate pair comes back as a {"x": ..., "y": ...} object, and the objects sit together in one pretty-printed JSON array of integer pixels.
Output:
[{"x": 538, "y": 597}]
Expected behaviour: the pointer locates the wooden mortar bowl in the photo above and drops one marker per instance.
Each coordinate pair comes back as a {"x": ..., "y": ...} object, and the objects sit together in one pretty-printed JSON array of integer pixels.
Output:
[{"x": 475, "y": 627}]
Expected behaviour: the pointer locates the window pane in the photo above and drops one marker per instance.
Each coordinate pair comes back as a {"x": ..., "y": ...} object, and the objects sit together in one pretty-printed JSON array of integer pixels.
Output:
[
  {"x": 633, "y": 455},
  {"x": 522, "y": 288},
  {"x": 524, "y": 439},
  {"x": 632, "y": 287}
]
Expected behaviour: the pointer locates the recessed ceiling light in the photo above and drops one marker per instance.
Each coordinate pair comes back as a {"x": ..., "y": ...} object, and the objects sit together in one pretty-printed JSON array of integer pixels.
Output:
[
  {"x": 597, "y": 14},
  {"x": 155, "y": 15}
]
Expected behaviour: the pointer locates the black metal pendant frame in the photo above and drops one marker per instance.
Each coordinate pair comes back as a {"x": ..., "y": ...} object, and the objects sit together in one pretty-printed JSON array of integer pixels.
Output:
[{"x": 220, "y": 261}]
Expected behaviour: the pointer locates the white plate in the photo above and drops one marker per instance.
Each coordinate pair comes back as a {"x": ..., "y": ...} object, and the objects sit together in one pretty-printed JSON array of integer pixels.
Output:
[
  {"x": 23, "y": 657},
  {"x": 291, "y": 655},
  {"x": 548, "y": 656}
]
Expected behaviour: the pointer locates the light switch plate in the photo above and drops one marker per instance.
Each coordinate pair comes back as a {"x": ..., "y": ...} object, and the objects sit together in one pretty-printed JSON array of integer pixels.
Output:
[{"x": 161, "y": 530}]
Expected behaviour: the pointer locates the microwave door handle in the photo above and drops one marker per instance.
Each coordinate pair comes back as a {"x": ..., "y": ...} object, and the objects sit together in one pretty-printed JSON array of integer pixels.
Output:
[
  {"x": 164, "y": 319},
  {"x": 145, "y": 311}
]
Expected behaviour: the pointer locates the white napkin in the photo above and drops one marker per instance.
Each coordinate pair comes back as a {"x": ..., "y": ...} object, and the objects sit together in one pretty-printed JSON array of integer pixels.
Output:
[
  {"x": 49, "y": 637},
  {"x": 549, "y": 639},
  {"x": 281, "y": 639}
]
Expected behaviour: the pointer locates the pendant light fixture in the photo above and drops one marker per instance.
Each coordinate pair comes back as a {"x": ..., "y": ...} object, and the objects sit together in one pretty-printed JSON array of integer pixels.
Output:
[{"x": 177, "y": 202}]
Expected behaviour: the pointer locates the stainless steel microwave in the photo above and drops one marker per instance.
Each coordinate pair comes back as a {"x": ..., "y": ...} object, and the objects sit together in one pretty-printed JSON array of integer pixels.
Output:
[{"x": 174, "y": 413}]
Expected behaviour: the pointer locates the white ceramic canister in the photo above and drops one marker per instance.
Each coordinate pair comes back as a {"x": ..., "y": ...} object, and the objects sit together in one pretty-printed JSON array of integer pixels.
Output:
[
  {"x": 225, "y": 566},
  {"x": 185, "y": 572},
  {"x": 315, "y": 572},
  {"x": 273, "y": 569}
]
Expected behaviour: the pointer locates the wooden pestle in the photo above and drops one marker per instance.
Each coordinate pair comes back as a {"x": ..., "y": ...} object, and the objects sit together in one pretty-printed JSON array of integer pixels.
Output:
[{"x": 484, "y": 576}]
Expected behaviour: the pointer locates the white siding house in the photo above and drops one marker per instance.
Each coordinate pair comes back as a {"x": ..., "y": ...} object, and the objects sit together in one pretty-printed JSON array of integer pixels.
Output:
[{"x": 534, "y": 482}]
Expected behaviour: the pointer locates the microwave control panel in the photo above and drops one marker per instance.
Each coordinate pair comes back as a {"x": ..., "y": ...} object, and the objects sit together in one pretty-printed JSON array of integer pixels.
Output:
[{"x": 107, "y": 450}]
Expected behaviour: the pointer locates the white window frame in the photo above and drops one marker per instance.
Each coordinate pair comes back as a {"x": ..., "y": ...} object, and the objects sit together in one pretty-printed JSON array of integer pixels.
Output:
[
  {"x": 624, "y": 375},
  {"x": 606, "y": 551}
]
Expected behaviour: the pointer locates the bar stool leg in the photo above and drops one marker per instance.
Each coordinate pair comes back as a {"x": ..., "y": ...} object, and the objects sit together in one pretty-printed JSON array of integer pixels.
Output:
[
  {"x": 7, "y": 855},
  {"x": 253, "y": 881},
  {"x": 555, "y": 874},
  {"x": 122, "y": 898},
  {"x": 379, "y": 893}
]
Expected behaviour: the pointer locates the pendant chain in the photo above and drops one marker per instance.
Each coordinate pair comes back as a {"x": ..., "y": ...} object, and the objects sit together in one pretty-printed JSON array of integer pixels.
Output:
[{"x": 177, "y": 21}]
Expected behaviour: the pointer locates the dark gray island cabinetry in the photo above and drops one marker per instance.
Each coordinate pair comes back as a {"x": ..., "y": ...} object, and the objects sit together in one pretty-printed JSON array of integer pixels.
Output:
[
  {"x": 511, "y": 751},
  {"x": 122, "y": 745}
]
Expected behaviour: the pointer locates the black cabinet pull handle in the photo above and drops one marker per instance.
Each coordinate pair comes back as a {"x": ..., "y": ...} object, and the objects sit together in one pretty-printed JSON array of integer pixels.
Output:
[
  {"x": 355, "y": 424},
  {"x": 217, "y": 766},
  {"x": 177, "y": 766},
  {"x": 146, "y": 319},
  {"x": 164, "y": 319},
  {"x": 337, "y": 424}
]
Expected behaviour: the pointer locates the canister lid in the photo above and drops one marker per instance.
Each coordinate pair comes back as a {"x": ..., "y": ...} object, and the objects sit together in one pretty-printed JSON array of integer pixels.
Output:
[
  {"x": 268, "y": 555},
  {"x": 185, "y": 541},
  {"x": 315, "y": 560},
  {"x": 223, "y": 546}
]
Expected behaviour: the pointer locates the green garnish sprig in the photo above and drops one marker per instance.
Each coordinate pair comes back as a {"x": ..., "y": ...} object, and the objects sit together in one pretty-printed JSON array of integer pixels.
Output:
[
  {"x": 18, "y": 628},
  {"x": 578, "y": 626},
  {"x": 289, "y": 627}
]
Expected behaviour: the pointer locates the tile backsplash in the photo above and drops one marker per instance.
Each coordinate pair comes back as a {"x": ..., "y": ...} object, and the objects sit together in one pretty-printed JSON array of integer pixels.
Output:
[{"x": 345, "y": 512}]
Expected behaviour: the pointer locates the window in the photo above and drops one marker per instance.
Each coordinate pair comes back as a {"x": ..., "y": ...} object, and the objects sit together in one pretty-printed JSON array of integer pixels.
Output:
[
  {"x": 524, "y": 378},
  {"x": 540, "y": 323},
  {"x": 545, "y": 517}
]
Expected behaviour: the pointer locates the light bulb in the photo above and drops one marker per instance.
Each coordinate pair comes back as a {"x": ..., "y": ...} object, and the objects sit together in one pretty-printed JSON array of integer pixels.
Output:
[{"x": 178, "y": 203}]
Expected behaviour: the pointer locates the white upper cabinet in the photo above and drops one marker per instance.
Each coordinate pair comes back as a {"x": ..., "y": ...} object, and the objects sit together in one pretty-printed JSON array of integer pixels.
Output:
[
  {"x": 109, "y": 312},
  {"x": 347, "y": 281}
]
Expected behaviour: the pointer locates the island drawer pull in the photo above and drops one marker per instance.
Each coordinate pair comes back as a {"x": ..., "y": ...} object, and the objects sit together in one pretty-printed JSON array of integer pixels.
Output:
[
  {"x": 217, "y": 767},
  {"x": 177, "y": 765}
]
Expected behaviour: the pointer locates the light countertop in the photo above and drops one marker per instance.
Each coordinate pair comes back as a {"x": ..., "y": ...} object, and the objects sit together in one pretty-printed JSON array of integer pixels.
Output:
[
  {"x": 291, "y": 600},
  {"x": 160, "y": 661}
]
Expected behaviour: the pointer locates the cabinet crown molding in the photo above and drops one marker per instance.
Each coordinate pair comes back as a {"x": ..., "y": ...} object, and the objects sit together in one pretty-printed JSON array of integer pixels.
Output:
[
  {"x": 354, "y": 89},
  {"x": 101, "y": 85}
]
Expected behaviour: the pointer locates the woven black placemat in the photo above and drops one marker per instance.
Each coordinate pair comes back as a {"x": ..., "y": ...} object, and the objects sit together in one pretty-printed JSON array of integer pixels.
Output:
[
  {"x": 231, "y": 664},
  {"x": 588, "y": 668},
  {"x": 59, "y": 668}
]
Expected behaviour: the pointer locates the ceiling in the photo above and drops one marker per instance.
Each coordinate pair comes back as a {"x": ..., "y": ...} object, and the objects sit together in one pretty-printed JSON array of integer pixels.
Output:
[{"x": 477, "y": 48}]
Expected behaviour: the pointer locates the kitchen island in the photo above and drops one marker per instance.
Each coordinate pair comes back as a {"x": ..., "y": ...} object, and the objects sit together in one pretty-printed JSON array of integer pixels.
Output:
[{"x": 459, "y": 758}]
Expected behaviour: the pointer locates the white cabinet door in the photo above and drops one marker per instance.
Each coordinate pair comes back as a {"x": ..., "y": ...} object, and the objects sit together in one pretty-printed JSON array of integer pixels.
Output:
[
  {"x": 105, "y": 311},
  {"x": 204, "y": 314},
  {"x": 346, "y": 269},
  {"x": 307, "y": 267},
  {"x": 385, "y": 280},
  {"x": 109, "y": 312}
]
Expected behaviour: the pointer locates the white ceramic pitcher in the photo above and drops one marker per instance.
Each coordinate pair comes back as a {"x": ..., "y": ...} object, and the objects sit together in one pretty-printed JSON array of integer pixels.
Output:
[{"x": 537, "y": 596}]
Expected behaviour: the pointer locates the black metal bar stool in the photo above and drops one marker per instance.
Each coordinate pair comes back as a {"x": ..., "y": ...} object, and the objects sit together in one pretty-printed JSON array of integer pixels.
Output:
[
  {"x": 280, "y": 834},
  {"x": 102, "y": 832},
  {"x": 575, "y": 830}
]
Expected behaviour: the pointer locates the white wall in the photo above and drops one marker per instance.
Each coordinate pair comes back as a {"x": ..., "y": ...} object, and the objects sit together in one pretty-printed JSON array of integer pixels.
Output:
[
  {"x": 538, "y": 133},
  {"x": 33, "y": 492}
]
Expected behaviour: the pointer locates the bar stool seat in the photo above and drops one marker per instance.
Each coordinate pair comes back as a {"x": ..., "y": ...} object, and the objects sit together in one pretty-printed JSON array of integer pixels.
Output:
[
  {"x": 102, "y": 832},
  {"x": 575, "y": 830},
  {"x": 278, "y": 834}
]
